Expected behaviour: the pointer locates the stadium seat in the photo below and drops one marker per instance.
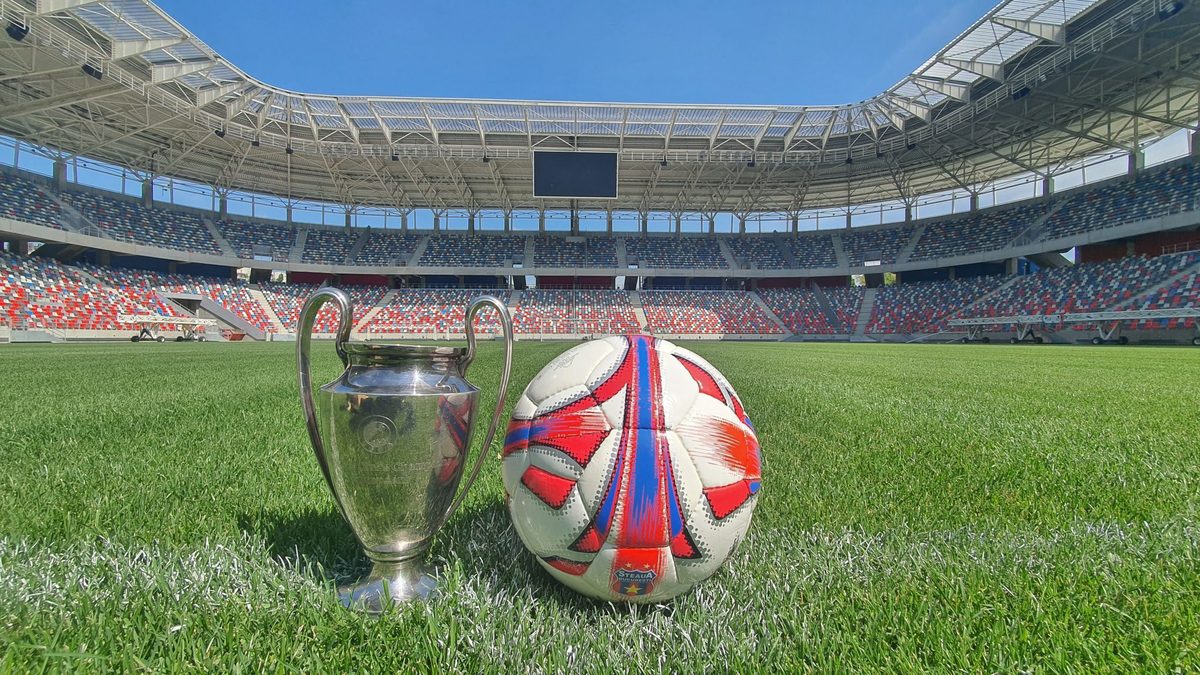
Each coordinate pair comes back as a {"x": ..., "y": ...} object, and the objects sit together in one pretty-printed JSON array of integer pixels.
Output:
[{"x": 706, "y": 313}]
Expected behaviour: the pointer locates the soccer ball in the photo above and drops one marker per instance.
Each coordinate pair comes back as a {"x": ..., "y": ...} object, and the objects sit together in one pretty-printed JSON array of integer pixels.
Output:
[{"x": 631, "y": 469}]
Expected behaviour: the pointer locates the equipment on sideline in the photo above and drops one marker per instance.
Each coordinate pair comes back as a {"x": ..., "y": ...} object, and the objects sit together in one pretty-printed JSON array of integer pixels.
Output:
[
  {"x": 632, "y": 469},
  {"x": 189, "y": 327},
  {"x": 391, "y": 436}
]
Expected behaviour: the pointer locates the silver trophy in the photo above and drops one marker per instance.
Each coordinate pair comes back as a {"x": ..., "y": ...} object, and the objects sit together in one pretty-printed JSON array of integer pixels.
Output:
[{"x": 391, "y": 435}]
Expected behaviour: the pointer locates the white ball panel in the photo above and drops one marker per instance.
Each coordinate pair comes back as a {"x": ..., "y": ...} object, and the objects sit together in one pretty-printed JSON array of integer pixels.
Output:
[
  {"x": 679, "y": 388},
  {"x": 546, "y": 531},
  {"x": 601, "y": 369},
  {"x": 595, "y": 477},
  {"x": 697, "y": 434},
  {"x": 569, "y": 369},
  {"x": 511, "y": 470},
  {"x": 561, "y": 398},
  {"x": 525, "y": 408}
]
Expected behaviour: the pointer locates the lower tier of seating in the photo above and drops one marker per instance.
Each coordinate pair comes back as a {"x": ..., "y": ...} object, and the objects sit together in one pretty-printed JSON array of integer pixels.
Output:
[{"x": 38, "y": 293}]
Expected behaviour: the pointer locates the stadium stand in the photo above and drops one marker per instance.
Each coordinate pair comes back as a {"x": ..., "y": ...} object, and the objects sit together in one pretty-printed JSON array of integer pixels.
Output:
[
  {"x": 286, "y": 300},
  {"x": 232, "y": 295},
  {"x": 275, "y": 240},
  {"x": 845, "y": 302},
  {"x": 1153, "y": 194},
  {"x": 924, "y": 307},
  {"x": 882, "y": 244},
  {"x": 454, "y": 250},
  {"x": 675, "y": 252},
  {"x": 20, "y": 199},
  {"x": 1184, "y": 292},
  {"x": 975, "y": 233},
  {"x": 705, "y": 313},
  {"x": 799, "y": 309},
  {"x": 328, "y": 247},
  {"x": 1084, "y": 287},
  {"x": 812, "y": 251},
  {"x": 575, "y": 252},
  {"x": 431, "y": 312},
  {"x": 578, "y": 312},
  {"x": 758, "y": 252},
  {"x": 384, "y": 248},
  {"x": 43, "y": 294},
  {"x": 125, "y": 220}
]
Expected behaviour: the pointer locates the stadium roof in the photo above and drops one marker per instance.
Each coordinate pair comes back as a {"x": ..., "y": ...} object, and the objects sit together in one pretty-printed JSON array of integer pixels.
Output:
[{"x": 1034, "y": 85}]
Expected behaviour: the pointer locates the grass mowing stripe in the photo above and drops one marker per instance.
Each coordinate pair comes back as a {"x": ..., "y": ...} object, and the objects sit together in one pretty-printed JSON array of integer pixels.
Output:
[{"x": 924, "y": 507}]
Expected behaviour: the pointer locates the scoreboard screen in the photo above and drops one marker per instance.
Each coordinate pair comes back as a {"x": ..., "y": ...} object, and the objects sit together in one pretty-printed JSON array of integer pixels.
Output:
[{"x": 575, "y": 175}]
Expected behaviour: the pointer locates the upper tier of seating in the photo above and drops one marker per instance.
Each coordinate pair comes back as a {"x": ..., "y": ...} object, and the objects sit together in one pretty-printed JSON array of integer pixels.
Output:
[
  {"x": 459, "y": 250},
  {"x": 125, "y": 220},
  {"x": 584, "y": 311},
  {"x": 387, "y": 248},
  {"x": 812, "y": 250},
  {"x": 274, "y": 241},
  {"x": 706, "y": 313},
  {"x": 675, "y": 252},
  {"x": 21, "y": 199},
  {"x": 1153, "y": 194},
  {"x": 764, "y": 253},
  {"x": 925, "y": 307},
  {"x": 883, "y": 245},
  {"x": 1085, "y": 287},
  {"x": 432, "y": 312},
  {"x": 574, "y": 252},
  {"x": 329, "y": 247},
  {"x": 987, "y": 230}
]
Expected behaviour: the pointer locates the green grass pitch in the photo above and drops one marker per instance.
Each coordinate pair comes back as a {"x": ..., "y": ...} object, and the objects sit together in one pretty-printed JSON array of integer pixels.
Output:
[{"x": 924, "y": 507}]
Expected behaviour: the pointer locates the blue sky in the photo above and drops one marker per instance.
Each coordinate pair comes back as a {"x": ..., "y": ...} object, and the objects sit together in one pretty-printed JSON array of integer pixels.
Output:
[{"x": 707, "y": 51}]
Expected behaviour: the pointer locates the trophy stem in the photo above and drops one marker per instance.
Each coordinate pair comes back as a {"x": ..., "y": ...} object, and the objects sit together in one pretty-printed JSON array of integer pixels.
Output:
[{"x": 389, "y": 584}]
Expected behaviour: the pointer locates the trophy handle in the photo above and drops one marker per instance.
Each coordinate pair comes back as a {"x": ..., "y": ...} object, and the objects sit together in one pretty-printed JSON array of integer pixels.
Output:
[
  {"x": 304, "y": 327},
  {"x": 506, "y": 324}
]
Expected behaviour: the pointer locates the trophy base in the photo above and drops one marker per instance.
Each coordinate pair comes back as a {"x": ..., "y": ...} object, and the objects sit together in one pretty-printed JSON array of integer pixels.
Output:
[{"x": 389, "y": 584}]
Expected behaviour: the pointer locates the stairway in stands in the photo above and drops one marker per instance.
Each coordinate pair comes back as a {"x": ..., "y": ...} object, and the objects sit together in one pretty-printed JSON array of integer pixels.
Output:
[
  {"x": 370, "y": 315},
  {"x": 297, "y": 252},
  {"x": 226, "y": 249},
  {"x": 357, "y": 248},
  {"x": 1136, "y": 301},
  {"x": 831, "y": 316},
  {"x": 907, "y": 251},
  {"x": 635, "y": 299},
  {"x": 864, "y": 316},
  {"x": 770, "y": 313},
  {"x": 261, "y": 299}
]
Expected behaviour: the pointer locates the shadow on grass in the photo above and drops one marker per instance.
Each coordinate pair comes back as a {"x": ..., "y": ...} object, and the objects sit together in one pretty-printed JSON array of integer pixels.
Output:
[{"x": 480, "y": 540}]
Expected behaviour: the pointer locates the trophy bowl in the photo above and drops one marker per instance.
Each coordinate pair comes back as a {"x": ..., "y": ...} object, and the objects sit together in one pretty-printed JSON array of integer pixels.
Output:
[{"x": 392, "y": 435}]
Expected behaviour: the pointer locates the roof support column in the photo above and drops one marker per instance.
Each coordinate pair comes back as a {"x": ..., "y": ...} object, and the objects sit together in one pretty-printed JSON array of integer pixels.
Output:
[
  {"x": 1047, "y": 186},
  {"x": 908, "y": 213},
  {"x": 508, "y": 221},
  {"x": 974, "y": 202},
  {"x": 678, "y": 223},
  {"x": 1137, "y": 162},
  {"x": 404, "y": 221},
  {"x": 223, "y": 206},
  {"x": 712, "y": 224},
  {"x": 60, "y": 174},
  {"x": 574, "y": 219},
  {"x": 541, "y": 220},
  {"x": 289, "y": 213},
  {"x": 1195, "y": 138},
  {"x": 437, "y": 221},
  {"x": 645, "y": 222},
  {"x": 349, "y": 221},
  {"x": 849, "y": 217},
  {"x": 742, "y": 224},
  {"x": 795, "y": 224},
  {"x": 148, "y": 192},
  {"x": 471, "y": 222},
  {"x": 608, "y": 221}
]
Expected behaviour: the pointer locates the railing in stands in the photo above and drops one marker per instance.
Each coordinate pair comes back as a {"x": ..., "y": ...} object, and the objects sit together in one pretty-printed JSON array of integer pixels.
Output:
[{"x": 1182, "y": 247}]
